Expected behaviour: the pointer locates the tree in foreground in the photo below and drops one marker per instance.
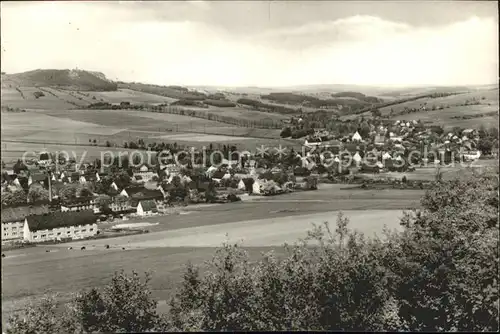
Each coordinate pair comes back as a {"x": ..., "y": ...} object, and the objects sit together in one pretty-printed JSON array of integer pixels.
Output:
[{"x": 124, "y": 305}]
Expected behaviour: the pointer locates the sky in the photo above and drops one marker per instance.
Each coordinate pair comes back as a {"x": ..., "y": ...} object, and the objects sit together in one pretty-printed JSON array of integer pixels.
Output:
[{"x": 257, "y": 43}]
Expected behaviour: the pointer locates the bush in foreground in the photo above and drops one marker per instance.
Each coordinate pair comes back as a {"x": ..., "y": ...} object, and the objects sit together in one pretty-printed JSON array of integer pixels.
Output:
[{"x": 439, "y": 274}]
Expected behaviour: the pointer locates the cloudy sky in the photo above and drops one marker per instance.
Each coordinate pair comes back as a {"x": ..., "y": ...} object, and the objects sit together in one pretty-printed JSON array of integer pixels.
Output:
[{"x": 251, "y": 43}]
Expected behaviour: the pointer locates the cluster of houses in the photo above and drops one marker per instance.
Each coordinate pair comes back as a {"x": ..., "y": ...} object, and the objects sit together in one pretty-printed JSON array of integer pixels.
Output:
[
  {"x": 149, "y": 191},
  {"x": 392, "y": 144}
]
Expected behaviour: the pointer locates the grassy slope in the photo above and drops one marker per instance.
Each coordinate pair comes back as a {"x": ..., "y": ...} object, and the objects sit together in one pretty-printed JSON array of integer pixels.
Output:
[
  {"x": 71, "y": 127},
  {"x": 23, "y": 98},
  {"x": 490, "y": 95},
  {"x": 128, "y": 95},
  {"x": 447, "y": 117}
]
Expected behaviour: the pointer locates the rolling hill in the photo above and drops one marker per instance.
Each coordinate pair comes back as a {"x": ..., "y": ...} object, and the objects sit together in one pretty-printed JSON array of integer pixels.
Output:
[
  {"x": 78, "y": 80},
  {"x": 468, "y": 109}
]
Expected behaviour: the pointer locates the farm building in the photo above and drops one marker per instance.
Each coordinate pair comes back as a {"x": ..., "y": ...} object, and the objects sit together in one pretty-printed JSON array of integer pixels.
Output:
[
  {"x": 13, "y": 220},
  {"x": 146, "y": 207},
  {"x": 60, "y": 225}
]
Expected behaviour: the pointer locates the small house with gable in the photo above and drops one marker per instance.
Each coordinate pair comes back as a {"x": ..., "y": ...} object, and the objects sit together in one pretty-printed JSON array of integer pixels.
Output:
[{"x": 146, "y": 207}]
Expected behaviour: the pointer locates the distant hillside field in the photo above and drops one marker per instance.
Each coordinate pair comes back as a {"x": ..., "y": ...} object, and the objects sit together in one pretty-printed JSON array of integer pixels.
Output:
[
  {"x": 346, "y": 102},
  {"x": 24, "y": 98},
  {"x": 173, "y": 92},
  {"x": 128, "y": 95},
  {"x": 68, "y": 79},
  {"x": 490, "y": 96},
  {"x": 242, "y": 113}
]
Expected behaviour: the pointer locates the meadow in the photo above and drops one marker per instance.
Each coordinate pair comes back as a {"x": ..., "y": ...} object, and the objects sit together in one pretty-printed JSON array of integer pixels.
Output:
[
  {"x": 244, "y": 113},
  {"x": 128, "y": 95},
  {"x": 13, "y": 98}
]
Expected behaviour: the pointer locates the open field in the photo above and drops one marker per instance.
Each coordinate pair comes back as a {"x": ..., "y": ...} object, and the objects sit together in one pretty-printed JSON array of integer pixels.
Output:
[
  {"x": 75, "y": 98},
  {"x": 134, "y": 120},
  {"x": 132, "y": 96},
  {"x": 12, "y": 98},
  {"x": 244, "y": 113},
  {"x": 33, "y": 122},
  {"x": 68, "y": 128},
  {"x": 201, "y": 137},
  {"x": 251, "y": 233}
]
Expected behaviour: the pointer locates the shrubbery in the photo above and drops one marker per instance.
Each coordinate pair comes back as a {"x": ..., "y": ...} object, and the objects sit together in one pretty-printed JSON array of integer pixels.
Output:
[
  {"x": 219, "y": 103},
  {"x": 38, "y": 94}
]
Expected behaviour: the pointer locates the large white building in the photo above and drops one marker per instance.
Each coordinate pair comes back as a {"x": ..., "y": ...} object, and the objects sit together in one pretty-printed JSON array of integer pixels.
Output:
[
  {"x": 13, "y": 219},
  {"x": 60, "y": 225}
]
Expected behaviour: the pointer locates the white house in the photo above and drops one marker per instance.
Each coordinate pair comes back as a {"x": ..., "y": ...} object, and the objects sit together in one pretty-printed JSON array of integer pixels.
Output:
[
  {"x": 265, "y": 187},
  {"x": 146, "y": 207},
  {"x": 356, "y": 137},
  {"x": 357, "y": 158},
  {"x": 60, "y": 225}
]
